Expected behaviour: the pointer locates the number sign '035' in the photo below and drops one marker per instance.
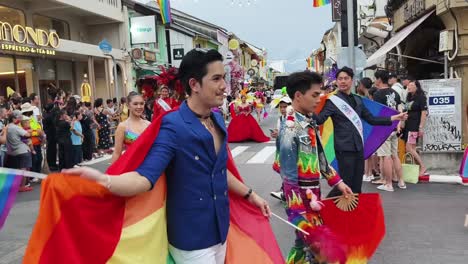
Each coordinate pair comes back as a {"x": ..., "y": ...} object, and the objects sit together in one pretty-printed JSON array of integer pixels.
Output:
[
  {"x": 442, "y": 100},
  {"x": 28, "y": 36}
]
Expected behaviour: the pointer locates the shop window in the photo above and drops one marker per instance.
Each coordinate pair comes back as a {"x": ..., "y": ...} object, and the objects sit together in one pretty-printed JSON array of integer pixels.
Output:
[
  {"x": 12, "y": 16},
  {"x": 65, "y": 75},
  {"x": 45, "y": 70},
  {"x": 7, "y": 75},
  {"x": 25, "y": 76},
  {"x": 51, "y": 24}
]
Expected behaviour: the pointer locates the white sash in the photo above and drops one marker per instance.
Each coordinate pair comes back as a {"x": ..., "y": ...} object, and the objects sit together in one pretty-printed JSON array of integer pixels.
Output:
[
  {"x": 349, "y": 112},
  {"x": 164, "y": 105}
]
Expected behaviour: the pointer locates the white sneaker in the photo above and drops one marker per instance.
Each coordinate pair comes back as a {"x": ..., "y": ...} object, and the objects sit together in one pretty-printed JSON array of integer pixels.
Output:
[
  {"x": 366, "y": 178},
  {"x": 384, "y": 187},
  {"x": 35, "y": 180}
]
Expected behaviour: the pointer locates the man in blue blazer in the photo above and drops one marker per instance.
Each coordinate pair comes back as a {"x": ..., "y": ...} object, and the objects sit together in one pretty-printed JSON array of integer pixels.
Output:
[{"x": 191, "y": 149}]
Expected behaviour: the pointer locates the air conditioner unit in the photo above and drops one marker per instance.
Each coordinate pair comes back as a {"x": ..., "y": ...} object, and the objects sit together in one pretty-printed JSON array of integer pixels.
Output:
[{"x": 373, "y": 31}]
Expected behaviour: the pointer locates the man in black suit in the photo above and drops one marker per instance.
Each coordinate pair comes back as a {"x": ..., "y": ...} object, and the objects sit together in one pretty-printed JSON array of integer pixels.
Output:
[{"x": 349, "y": 146}]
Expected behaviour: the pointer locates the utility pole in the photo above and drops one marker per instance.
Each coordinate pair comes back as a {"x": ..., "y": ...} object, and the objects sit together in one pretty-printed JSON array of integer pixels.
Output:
[
  {"x": 351, "y": 28},
  {"x": 349, "y": 36}
]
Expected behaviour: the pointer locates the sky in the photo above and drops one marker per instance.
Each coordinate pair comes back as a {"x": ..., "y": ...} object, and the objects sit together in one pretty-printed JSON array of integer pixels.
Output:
[{"x": 288, "y": 29}]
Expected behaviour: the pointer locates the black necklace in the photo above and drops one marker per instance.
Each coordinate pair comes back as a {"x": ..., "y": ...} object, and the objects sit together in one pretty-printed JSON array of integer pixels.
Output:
[{"x": 202, "y": 117}]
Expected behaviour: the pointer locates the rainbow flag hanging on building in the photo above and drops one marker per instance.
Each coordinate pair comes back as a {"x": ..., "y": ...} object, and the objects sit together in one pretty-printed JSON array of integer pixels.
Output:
[
  {"x": 9, "y": 185},
  {"x": 82, "y": 222},
  {"x": 165, "y": 7},
  {"x": 319, "y": 3},
  {"x": 374, "y": 136}
]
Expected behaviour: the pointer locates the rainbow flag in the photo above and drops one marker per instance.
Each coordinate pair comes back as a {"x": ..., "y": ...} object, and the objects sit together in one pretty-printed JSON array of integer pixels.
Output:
[
  {"x": 165, "y": 7},
  {"x": 9, "y": 185},
  {"x": 374, "y": 136},
  {"x": 82, "y": 222},
  {"x": 319, "y": 3}
]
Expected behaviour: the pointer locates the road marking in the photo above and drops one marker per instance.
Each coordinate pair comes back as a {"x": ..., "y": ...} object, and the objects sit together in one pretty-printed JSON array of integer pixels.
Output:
[
  {"x": 94, "y": 161},
  {"x": 262, "y": 155},
  {"x": 271, "y": 142},
  {"x": 238, "y": 150}
]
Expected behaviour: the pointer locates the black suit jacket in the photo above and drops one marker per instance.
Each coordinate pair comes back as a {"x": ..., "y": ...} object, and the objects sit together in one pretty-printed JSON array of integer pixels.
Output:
[{"x": 347, "y": 137}]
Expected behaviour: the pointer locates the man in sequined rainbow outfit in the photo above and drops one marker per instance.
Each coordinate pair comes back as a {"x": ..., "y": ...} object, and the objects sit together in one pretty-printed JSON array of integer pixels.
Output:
[{"x": 302, "y": 162}]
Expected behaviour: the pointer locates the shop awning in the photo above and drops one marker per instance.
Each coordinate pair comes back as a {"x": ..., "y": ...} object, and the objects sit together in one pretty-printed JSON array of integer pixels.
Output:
[{"x": 379, "y": 55}]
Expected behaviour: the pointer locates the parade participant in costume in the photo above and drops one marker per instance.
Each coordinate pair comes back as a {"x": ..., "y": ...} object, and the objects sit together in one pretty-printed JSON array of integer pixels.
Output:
[
  {"x": 302, "y": 162},
  {"x": 167, "y": 81},
  {"x": 346, "y": 110},
  {"x": 259, "y": 105},
  {"x": 191, "y": 147},
  {"x": 129, "y": 130},
  {"x": 284, "y": 102},
  {"x": 243, "y": 127}
]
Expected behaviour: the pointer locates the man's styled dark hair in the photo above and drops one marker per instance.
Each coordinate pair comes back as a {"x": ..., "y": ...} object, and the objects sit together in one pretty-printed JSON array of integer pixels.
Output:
[
  {"x": 366, "y": 82},
  {"x": 382, "y": 75},
  {"x": 346, "y": 70},
  {"x": 195, "y": 65},
  {"x": 301, "y": 82}
]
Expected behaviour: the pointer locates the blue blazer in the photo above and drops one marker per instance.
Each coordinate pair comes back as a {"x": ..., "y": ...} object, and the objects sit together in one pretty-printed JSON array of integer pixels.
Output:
[{"x": 197, "y": 191}]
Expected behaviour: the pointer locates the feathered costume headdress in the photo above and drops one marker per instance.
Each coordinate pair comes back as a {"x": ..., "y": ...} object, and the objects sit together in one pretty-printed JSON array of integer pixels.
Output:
[{"x": 168, "y": 78}]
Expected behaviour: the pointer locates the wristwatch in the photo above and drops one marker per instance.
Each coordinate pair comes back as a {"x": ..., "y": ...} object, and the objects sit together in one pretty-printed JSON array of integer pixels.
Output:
[{"x": 248, "y": 194}]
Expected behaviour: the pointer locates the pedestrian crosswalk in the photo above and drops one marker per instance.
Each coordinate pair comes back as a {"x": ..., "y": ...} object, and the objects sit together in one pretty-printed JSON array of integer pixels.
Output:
[
  {"x": 263, "y": 153},
  {"x": 253, "y": 153}
]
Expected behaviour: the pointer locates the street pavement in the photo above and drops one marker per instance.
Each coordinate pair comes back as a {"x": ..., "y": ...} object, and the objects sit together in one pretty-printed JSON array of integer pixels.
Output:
[{"x": 424, "y": 223}]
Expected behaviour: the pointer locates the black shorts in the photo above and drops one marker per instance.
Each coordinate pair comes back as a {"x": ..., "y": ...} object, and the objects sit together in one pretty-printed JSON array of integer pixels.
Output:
[{"x": 21, "y": 161}]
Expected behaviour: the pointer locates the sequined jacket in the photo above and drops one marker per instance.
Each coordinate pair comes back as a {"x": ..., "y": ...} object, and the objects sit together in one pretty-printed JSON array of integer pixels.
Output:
[{"x": 301, "y": 156}]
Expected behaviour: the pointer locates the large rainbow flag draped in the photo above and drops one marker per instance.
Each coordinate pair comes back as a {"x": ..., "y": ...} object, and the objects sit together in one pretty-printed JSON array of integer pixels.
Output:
[
  {"x": 9, "y": 185},
  {"x": 165, "y": 7},
  {"x": 374, "y": 136},
  {"x": 82, "y": 222},
  {"x": 319, "y": 3}
]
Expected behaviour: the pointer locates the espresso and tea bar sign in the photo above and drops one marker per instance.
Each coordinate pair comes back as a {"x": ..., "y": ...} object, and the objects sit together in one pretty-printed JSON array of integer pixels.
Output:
[{"x": 29, "y": 40}]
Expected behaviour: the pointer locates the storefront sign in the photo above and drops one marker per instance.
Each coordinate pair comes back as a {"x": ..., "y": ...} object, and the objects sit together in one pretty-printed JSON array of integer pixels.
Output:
[
  {"x": 336, "y": 10},
  {"x": 27, "y": 39},
  {"x": 137, "y": 54},
  {"x": 105, "y": 46},
  {"x": 178, "y": 54},
  {"x": 443, "y": 131},
  {"x": 150, "y": 56},
  {"x": 413, "y": 9},
  {"x": 143, "y": 29}
]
